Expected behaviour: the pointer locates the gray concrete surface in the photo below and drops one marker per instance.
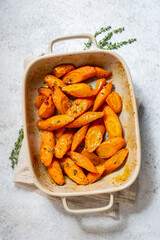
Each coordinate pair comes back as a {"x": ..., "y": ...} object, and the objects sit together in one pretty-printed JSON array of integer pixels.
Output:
[{"x": 26, "y": 27}]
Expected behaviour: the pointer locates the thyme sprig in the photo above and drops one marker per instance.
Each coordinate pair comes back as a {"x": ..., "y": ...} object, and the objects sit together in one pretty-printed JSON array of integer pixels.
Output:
[
  {"x": 89, "y": 43},
  {"x": 104, "y": 42},
  {"x": 17, "y": 146}
]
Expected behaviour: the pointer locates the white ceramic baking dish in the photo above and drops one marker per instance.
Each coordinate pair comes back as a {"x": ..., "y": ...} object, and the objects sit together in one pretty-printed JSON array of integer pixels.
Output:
[{"x": 33, "y": 79}]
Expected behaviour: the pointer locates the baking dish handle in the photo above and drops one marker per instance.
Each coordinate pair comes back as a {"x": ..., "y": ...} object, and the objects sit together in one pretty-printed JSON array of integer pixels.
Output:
[
  {"x": 88, "y": 210},
  {"x": 85, "y": 35}
]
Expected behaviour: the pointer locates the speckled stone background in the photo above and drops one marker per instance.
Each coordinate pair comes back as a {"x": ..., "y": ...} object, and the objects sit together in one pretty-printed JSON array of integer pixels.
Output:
[{"x": 26, "y": 27}]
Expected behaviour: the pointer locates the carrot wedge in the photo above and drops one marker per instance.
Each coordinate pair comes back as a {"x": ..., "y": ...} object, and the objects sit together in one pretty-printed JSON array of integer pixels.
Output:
[
  {"x": 78, "y": 138},
  {"x": 60, "y": 100},
  {"x": 55, "y": 172},
  {"x": 64, "y": 143},
  {"x": 112, "y": 122},
  {"x": 100, "y": 84},
  {"x": 73, "y": 171},
  {"x": 110, "y": 147},
  {"x": 45, "y": 91},
  {"x": 85, "y": 119},
  {"x": 79, "y": 90},
  {"x": 47, "y": 109},
  {"x": 102, "y": 95},
  {"x": 60, "y": 70},
  {"x": 79, "y": 75},
  {"x": 115, "y": 161},
  {"x": 82, "y": 161},
  {"x": 93, "y": 177},
  {"x": 54, "y": 122},
  {"x": 39, "y": 100},
  {"x": 46, "y": 147},
  {"x": 79, "y": 106},
  {"x": 115, "y": 102},
  {"x": 59, "y": 132},
  {"x": 93, "y": 157},
  {"x": 94, "y": 135},
  {"x": 101, "y": 73},
  {"x": 52, "y": 81}
]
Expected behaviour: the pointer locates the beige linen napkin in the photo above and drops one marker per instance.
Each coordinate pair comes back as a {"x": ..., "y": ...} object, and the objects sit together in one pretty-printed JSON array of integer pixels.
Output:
[{"x": 23, "y": 177}]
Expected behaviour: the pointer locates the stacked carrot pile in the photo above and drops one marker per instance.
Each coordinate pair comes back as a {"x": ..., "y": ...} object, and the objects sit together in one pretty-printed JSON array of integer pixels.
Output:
[{"x": 64, "y": 132}]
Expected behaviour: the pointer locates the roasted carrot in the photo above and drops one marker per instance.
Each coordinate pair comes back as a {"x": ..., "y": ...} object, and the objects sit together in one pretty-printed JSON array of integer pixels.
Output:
[
  {"x": 100, "y": 84},
  {"x": 78, "y": 138},
  {"x": 101, "y": 73},
  {"x": 93, "y": 157},
  {"x": 102, "y": 95},
  {"x": 60, "y": 70},
  {"x": 45, "y": 91},
  {"x": 64, "y": 143},
  {"x": 54, "y": 122},
  {"x": 115, "y": 102},
  {"x": 39, "y": 100},
  {"x": 61, "y": 101},
  {"x": 79, "y": 106},
  {"x": 110, "y": 147},
  {"x": 55, "y": 172},
  {"x": 79, "y": 75},
  {"x": 79, "y": 90},
  {"x": 46, "y": 147},
  {"x": 47, "y": 109},
  {"x": 59, "y": 132},
  {"x": 73, "y": 171},
  {"x": 115, "y": 161},
  {"x": 82, "y": 161},
  {"x": 93, "y": 177},
  {"x": 85, "y": 119},
  {"x": 112, "y": 122},
  {"x": 94, "y": 135},
  {"x": 52, "y": 81}
]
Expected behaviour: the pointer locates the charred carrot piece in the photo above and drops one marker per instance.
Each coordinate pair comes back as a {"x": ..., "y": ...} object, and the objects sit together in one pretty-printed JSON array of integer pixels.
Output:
[
  {"x": 115, "y": 102},
  {"x": 79, "y": 90},
  {"x": 101, "y": 73},
  {"x": 99, "y": 85},
  {"x": 112, "y": 122},
  {"x": 79, "y": 75},
  {"x": 60, "y": 100},
  {"x": 73, "y": 171},
  {"x": 101, "y": 97},
  {"x": 47, "y": 109},
  {"x": 93, "y": 157},
  {"x": 46, "y": 147},
  {"x": 52, "y": 81},
  {"x": 60, "y": 70},
  {"x": 64, "y": 143},
  {"x": 55, "y": 172},
  {"x": 115, "y": 161},
  {"x": 110, "y": 147},
  {"x": 82, "y": 161},
  {"x": 45, "y": 91},
  {"x": 59, "y": 132},
  {"x": 79, "y": 106},
  {"x": 85, "y": 119},
  {"x": 94, "y": 135},
  {"x": 54, "y": 122},
  {"x": 39, "y": 100},
  {"x": 78, "y": 138},
  {"x": 93, "y": 177}
]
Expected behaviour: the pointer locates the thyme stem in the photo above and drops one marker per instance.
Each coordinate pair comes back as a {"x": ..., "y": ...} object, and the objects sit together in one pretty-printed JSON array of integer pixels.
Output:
[{"x": 17, "y": 146}]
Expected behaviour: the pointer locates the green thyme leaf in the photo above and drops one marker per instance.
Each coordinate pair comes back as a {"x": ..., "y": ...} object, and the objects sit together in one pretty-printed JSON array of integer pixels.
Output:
[{"x": 17, "y": 146}]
